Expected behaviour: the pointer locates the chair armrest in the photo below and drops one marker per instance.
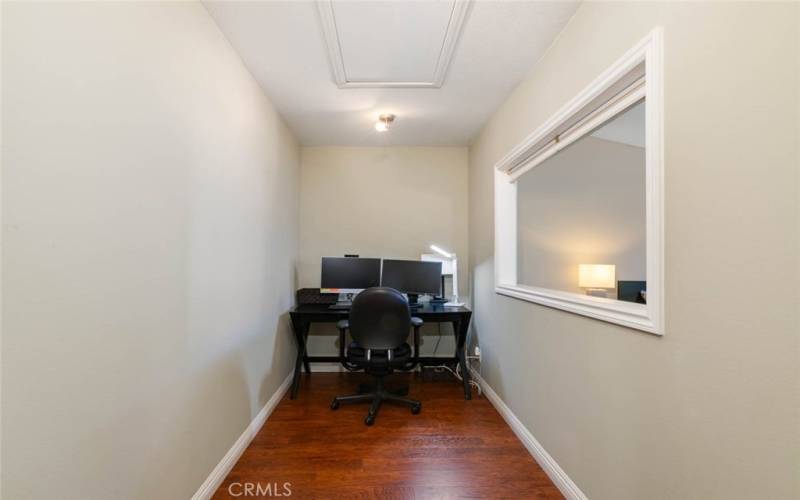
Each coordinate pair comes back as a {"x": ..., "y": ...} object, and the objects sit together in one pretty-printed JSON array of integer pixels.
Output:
[{"x": 416, "y": 322}]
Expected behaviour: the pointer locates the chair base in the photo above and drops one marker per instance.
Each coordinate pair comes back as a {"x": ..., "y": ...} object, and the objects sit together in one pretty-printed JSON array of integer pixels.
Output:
[{"x": 377, "y": 395}]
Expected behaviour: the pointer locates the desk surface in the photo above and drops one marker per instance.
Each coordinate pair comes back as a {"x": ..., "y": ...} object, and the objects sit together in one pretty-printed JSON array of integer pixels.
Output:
[{"x": 424, "y": 310}]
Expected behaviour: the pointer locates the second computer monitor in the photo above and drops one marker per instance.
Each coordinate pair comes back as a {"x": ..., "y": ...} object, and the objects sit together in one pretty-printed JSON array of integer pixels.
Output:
[
  {"x": 349, "y": 274},
  {"x": 412, "y": 277}
]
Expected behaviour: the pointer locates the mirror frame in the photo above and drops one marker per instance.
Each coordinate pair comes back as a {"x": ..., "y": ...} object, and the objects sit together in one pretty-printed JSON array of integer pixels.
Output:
[{"x": 645, "y": 57}]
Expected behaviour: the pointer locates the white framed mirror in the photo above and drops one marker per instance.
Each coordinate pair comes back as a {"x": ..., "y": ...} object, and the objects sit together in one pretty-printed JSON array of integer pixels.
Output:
[{"x": 578, "y": 203}]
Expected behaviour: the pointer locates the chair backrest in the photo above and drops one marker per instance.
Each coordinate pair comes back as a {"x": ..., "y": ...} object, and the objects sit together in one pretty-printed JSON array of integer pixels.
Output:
[{"x": 380, "y": 318}]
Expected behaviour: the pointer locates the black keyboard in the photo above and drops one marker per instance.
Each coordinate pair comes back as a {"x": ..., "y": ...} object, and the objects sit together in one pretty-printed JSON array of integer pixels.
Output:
[{"x": 341, "y": 305}]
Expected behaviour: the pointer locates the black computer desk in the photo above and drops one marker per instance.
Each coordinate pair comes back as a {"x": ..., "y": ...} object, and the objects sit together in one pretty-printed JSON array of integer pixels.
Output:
[{"x": 305, "y": 314}]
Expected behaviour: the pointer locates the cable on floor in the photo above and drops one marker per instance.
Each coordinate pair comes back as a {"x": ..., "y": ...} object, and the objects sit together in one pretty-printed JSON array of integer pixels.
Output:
[{"x": 456, "y": 373}]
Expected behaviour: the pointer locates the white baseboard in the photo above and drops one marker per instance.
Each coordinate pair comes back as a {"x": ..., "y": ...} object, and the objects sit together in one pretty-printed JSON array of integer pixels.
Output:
[
  {"x": 556, "y": 474},
  {"x": 212, "y": 482}
]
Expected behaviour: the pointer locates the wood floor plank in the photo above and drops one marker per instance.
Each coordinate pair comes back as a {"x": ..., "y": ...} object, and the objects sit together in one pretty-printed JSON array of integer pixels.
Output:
[{"x": 454, "y": 449}]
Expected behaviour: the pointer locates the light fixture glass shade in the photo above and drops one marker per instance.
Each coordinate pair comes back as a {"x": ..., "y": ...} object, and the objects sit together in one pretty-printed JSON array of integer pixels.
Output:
[
  {"x": 597, "y": 275},
  {"x": 382, "y": 125}
]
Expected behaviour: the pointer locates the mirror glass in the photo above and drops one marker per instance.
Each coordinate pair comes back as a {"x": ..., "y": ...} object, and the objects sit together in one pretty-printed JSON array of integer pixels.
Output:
[{"x": 581, "y": 214}]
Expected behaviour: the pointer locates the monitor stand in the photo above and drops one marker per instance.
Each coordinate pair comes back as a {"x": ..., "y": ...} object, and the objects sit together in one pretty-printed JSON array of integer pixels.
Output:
[
  {"x": 438, "y": 300},
  {"x": 344, "y": 301},
  {"x": 412, "y": 300}
]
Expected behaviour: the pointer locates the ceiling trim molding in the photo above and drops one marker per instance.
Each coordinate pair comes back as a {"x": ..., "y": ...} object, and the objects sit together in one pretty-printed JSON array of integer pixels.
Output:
[{"x": 331, "y": 35}]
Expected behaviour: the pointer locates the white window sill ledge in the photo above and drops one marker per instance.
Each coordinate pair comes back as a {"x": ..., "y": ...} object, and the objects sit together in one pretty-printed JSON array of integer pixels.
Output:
[{"x": 629, "y": 314}]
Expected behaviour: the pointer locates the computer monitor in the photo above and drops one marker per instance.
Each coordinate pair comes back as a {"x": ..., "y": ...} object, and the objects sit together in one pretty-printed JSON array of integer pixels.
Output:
[
  {"x": 412, "y": 277},
  {"x": 349, "y": 274}
]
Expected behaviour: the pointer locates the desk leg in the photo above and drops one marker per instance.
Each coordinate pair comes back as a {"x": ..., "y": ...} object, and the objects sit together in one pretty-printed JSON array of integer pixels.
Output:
[
  {"x": 300, "y": 329},
  {"x": 461, "y": 328},
  {"x": 306, "y": 364}
]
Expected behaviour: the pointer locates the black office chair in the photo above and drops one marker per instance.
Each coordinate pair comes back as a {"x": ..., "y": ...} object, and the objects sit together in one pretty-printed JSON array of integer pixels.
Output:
[{"x": 380, "y": 320}]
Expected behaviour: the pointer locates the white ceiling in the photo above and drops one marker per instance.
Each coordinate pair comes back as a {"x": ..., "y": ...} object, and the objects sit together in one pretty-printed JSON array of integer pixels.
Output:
[
  {"x": 411, "y": 47},
  {"x": 374, "y": 52},
  {"x": 399, "y": 43}
]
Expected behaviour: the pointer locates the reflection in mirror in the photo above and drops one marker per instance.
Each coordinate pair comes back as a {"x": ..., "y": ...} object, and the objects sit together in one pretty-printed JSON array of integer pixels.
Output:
[{"x": 581, "y": 214}]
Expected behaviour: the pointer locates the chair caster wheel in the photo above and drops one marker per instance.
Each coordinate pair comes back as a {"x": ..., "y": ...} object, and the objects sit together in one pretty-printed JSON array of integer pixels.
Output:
[
  {"x": 369, "y": 420},
  {"x": 416, "y": 409},
  {"x": 334, "y": 405}
]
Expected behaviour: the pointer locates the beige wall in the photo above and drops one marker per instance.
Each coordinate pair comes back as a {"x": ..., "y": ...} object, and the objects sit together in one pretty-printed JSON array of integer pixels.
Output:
[
  {"x": 710, "y": 410},
  {"x": 586, "y": 205},
  {"x": 390, "y": 202},
  {"x": 149, "y": 229}
]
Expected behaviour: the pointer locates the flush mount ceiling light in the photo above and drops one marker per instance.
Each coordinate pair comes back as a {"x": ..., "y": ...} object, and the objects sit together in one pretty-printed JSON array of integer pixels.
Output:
[{"x": 383, "y": 123}]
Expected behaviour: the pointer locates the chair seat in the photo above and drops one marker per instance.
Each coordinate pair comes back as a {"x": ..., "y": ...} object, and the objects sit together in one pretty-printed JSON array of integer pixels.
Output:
[{"x": 358, "y": 355}]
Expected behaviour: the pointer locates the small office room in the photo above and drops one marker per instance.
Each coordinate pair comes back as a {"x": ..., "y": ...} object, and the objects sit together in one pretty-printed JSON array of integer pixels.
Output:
[{"x": 400, "y": 250}]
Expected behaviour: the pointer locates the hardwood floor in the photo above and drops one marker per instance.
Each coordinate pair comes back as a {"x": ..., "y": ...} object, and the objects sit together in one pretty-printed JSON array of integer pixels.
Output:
[{"x": 453, "y": 449}]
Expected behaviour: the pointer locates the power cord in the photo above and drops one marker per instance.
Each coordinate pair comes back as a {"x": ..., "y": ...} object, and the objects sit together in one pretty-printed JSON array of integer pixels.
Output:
[{"x": 457, "y": 372}]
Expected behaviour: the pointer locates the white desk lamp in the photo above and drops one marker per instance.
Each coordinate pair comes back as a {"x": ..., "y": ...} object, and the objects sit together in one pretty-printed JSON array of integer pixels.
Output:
[{"x": 454, "y": 263}]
